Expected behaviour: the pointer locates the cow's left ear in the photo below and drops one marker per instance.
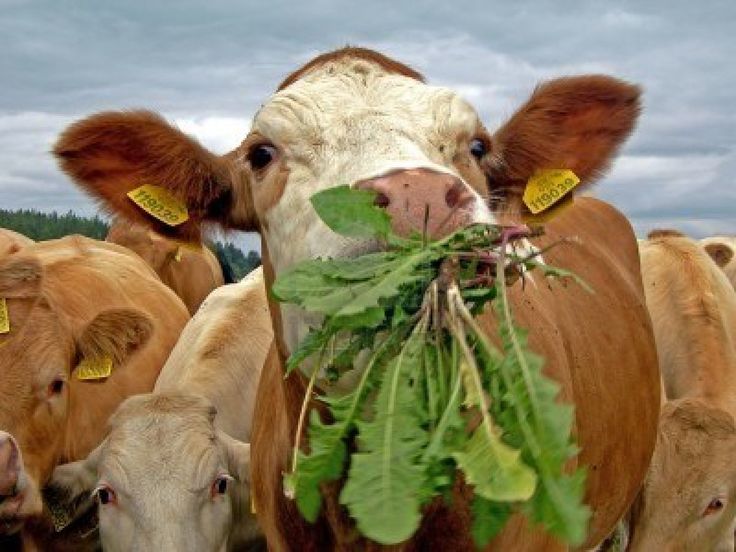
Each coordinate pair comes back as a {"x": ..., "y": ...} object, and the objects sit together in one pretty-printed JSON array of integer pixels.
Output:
[
  {"x": 238, "y": 457},
  {"x": 114, "y": 334},
  {"x": 110, "y": 154},
  {"x": 575, "y": 123},
  {"x": 721, "y": 253}
]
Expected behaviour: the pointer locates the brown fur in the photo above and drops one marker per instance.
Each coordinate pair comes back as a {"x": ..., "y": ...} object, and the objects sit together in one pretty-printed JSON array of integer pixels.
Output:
[
  {"x": 90, "y": 298},
  {"x": 599, "y": 347},
  {"x": 572, "y": 123},
  {"x": 114, "y": 152},
  {"x": 664, "y": 233},
  {"x": 390, "y": 65},
  {"x": 12, "y": 242},
  {"x": 693, "y": 310},
  {"x": 191, "y": 270}
]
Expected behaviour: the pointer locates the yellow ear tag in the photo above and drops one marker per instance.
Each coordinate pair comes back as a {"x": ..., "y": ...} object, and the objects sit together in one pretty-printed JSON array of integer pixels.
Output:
[
  {"x": 94, "y": 368},
  {"x": 252, "y": 503},
  {"x": 547, "y": 187},
  {"x": 177, "y": 256},
  {"x": 4, "y": 317},
  {"x": 160, "y": 203}
]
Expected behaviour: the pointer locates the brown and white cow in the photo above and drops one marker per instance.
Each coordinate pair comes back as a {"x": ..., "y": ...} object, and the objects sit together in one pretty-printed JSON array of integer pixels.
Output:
[
  {"x": 689, "y": 499},
  {"x": 11, "y": 242},
  {"x": 191, "y": 270},
  {"x": 722, "y": 249},
  {"x": 355, "y": 116},
  {"x": 69, "y": 300},
  {"x": 190, "y": 433}
]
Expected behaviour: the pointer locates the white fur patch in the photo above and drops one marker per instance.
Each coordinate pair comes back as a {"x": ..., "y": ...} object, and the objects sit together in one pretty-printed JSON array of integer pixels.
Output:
[{"x": 344, "y": 122}]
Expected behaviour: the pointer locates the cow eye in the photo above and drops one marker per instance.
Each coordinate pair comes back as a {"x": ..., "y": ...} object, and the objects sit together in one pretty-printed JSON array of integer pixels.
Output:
[
  {"x": 714, "y": 506},
  {"x": 478, "y": 148},
  {"x": 261, "y": 156},
  {"x": 56, "y": 387},
  {"x": 220, "y": 484},
  {"x": 105, "y": 495}
]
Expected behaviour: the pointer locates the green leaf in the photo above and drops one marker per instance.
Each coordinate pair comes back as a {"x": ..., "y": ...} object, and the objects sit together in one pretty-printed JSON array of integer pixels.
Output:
[
  {"x": 386, "y": 482},
  {"x": 495, "y": 470},
  {"x": 352, "y": 212},
  {"x": 542, "y": 426},
  {"x": 489, "y": 518}
]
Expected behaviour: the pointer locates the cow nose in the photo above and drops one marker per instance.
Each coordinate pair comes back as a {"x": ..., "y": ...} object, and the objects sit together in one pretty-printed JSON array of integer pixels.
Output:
[
  {"x": 9, "y": 465},
  {"x": 423, "y": 201}
]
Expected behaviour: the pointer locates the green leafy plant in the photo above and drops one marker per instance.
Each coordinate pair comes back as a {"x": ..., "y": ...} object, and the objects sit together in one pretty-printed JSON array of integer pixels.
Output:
[{"x": 431, "y": 395}]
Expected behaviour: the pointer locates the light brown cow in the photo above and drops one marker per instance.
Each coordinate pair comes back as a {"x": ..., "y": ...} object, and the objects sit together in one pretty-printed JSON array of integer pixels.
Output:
[
  {"x": 722, "y": 249},
  {"x": 355, "y": 116},
  {"x": 191, "y": 270},
  {"x": 201, "y": 408},
  {"x": 689, "y": 499},
  {"x": 69, "y": 300},
  {"x": 10, "y": 242}
]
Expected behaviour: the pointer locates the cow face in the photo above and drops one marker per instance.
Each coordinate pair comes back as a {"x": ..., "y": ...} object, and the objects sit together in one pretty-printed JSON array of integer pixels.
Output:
[
  {"x": 165, "y": 478},
  {"x": 358, "y": 118},
  {"x": 689, "y": 498},
  {"x": 37, "y": 362}
]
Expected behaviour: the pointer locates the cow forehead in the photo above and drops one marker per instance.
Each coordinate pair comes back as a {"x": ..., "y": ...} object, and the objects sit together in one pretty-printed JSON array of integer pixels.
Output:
[{"x": 347, "y": 101}]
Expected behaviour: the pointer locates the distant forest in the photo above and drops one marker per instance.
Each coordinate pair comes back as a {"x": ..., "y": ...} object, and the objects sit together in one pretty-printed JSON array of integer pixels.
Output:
[{"x": 48, "y": 226}]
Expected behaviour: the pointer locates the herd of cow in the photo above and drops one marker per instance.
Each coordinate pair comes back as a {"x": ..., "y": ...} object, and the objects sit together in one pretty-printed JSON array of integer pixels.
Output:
[{"x": 140, "y": 392}]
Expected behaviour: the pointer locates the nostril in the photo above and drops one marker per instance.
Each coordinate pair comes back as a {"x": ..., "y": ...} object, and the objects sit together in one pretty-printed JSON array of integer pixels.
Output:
[
  {"x": 456, "y": 195},
  {"x": 381, "y": 200}
]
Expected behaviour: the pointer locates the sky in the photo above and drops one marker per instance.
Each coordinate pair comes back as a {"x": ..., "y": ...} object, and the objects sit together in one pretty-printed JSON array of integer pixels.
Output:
[{"x": 207, "y": 66}]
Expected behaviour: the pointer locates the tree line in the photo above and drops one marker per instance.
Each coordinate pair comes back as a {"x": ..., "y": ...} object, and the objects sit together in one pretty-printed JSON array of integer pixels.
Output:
[{"x": 41, "y": 226}]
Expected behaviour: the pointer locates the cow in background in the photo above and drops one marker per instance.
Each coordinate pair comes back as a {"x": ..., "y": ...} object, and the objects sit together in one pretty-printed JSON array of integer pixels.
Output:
[
  {"x": 201, "y": 407},
  {"x": 72, "y": 300},
  {"x": 355, "y": 116},
  {"x": 190, "y": 269},
  {"x": 688, "y": 501}
]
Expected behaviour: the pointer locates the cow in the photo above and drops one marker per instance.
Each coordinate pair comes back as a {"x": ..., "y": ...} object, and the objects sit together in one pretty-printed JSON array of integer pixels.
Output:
[
  {"x": 688, "y": 501},
  {"x": 357, "y": 117},
  {"x": 190, "y": 269},
  {"x": 11, "y": 241},
  {"x": 72, "y": 302},
  {"x": 201, "y": 407},
  {"x": 722, "y": 249}
]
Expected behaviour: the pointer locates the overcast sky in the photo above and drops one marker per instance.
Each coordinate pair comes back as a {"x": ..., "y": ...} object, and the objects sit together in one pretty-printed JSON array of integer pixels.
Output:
[{"x": 208, "y": 66}]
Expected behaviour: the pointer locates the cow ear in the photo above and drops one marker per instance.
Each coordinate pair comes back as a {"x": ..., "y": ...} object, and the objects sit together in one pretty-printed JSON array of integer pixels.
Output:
[
  {"x": 75, "y": 478},
  {"x": 575, "y": 123},
  {"x": 20, "y": 276},
  {"x": 114, "y": 334},
  {"x": 109, "y": 154},
  {"x": 720, "y": 253},
  {"x": 238, "y": 457}
]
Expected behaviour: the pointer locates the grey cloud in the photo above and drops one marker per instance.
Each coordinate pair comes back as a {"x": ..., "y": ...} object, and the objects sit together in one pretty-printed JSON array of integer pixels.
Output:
[{"x": 208, "y": 66}]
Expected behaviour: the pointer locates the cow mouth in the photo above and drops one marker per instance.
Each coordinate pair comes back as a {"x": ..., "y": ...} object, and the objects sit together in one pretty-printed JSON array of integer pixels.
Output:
[{"x": 11, "y": 518}]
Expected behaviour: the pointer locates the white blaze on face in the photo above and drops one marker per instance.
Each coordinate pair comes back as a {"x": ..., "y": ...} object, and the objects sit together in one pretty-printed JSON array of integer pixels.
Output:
[{"x": 341, "y": 123}]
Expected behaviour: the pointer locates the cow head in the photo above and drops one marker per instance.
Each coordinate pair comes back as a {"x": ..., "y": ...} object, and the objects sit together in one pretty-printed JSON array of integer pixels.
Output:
[
  {"x": 156, "y": 250},
  {"x": 353, "y": 117},
  {"x": 165, "y": 478},
  {"x": 688, "y": 501},
  {"x": 37, "y": 361}
]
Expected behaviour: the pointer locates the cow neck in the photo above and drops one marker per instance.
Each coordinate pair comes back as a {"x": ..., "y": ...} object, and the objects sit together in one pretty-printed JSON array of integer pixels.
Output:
[{"x": 273, "y": 306}]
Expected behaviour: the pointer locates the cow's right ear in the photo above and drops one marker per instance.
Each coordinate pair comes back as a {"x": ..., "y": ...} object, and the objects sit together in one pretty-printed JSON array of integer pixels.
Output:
[{"x": 109, "y": 154}]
